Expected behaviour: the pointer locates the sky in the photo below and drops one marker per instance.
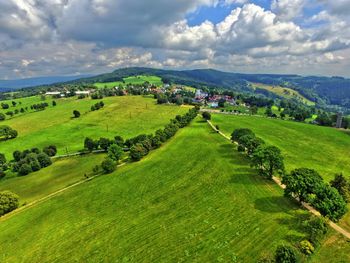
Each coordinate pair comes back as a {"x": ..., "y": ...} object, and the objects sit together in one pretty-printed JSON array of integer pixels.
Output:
[{"x": 71, "y": 37}]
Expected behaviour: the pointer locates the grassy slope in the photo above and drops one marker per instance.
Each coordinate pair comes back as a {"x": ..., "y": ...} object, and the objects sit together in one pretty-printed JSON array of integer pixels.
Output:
[
  {"x": 134, "y": 80},
  {"x": 284, "y": 92},
  {"x": 195, "y": 199},
  {"x": 303, "y": 145},
  {"x": 62, "y": 173},
  {"x": 126, "y": 116}
]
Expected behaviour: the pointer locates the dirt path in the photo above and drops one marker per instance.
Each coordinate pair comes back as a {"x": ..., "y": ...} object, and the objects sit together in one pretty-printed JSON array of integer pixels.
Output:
[
  {"x": 48, "y": 197},
  {"x": 305, "y": 205}
]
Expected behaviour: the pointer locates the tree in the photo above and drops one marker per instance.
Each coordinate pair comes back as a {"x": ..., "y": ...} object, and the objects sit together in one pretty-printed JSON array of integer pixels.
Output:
[
  {"x": 302, "y": 183},
  {"x": 6, "y": 132},
  {"x": 137, "y": 151},
  {"x": 108, "y": 166},
  {"x": 329, "y": 203},
  {"x": 44, "y": 160},
  {"x": 285, "y": 254},
  {"x": 35, "y": 165},
  {"x": 268, "y": 160},
  {"x": 89, "y": 144},
  {"x": 50, "y": 150},
  {"x": 221, "y": 103},
  {"x": 206, "y": 115},
  {"x": 8, "y": 202},
  {"x": 76, "y": 114},
  {"x": 54, "y": 103},
  {"x": 115, "y": 152},
  {"x": 119, "y": 140},
  {"x": 238, "y": 133},
  {"x": 250, "y": 143},
  {"x": 2, "y": 159},
  {"x": 25, "y": 169},
  {"x": 316, "y": 228},
  {"x": 268, "y": 112},
  {"x": 306, "y": 247},
  {"x": 5, "y": 106},
  {"x": 17, "y": 155},
  {"x": 342, "y": 185},
  {"x": 2, "y": 173},
  {"x": 2, "y": 117},
  {"x": 254, "y": 110},
  {"x": 104, "y": 143}
]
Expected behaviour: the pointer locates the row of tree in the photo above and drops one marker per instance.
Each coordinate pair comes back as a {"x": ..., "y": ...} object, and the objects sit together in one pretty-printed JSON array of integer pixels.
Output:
[
  {"x": 138, "y": 146},
  {"x": 97, "y": 106},
  {"x": 308, "y": 186},
  {"x": 305, "y": 184}
]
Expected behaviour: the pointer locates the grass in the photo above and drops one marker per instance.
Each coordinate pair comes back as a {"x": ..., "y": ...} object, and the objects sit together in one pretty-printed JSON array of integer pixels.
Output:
[
  {"x": 193, "y": 200},
  {"x": 284, "y": 92},
  {"x": 303, "y": 145},
  {"x": 133, "y": 80},
  {"x": 61, "y": 173},
  {"x": 126, "y": 116}
]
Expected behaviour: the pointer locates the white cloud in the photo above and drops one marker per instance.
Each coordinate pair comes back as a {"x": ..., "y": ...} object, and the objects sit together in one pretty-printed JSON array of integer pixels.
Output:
[{"x": 286, "y": 9}]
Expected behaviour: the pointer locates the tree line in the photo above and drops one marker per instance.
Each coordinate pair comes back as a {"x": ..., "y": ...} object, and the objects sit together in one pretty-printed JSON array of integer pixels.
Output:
[
  {"x": 302, "y": 183},
  {"x": 138, "y": 146}
]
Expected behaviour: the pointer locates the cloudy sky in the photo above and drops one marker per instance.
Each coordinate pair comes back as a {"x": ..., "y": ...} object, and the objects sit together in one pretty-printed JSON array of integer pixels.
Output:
[{"x": 68, "y": 37}]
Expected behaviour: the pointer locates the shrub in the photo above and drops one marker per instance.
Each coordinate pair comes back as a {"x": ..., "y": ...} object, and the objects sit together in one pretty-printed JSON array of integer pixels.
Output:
[
  {"x": 35, "y": 165},
  {"x": 25, "y": 169},
  {"x": 8, "y": 202},
  {"x": 306, "y": 247},
  {"x": 137, "y": 152},
  {"x": 115, "y": 152},
  {"x": 76, "y": 114},
  {"x": 285, "y": 254},
  {"x": 2, "y": 117},
  {"x": 108, "y": 166},
  {"x": 206, "y": 116},
  {"x": 2, "y": 173},
  {"x": 316, "y": 228},
  {"x": 44, "y": 160},
  {"x": 50, "y": 150}
]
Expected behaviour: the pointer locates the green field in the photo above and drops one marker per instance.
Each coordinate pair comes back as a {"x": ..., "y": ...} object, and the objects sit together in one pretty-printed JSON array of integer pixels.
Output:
[
  {"x": 283, "y": 92},
  {"x": 61, "y": 173},
  {"x": 126, "y": 116},
  {"x": 303, "y": 145},
  {"x": 133, "y": 80},
  {"x": 195, "y": 199}
]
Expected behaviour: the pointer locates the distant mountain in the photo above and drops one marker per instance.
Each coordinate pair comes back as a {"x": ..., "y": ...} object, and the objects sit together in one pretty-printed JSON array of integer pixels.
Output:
[{"x": 7, "y": 85}]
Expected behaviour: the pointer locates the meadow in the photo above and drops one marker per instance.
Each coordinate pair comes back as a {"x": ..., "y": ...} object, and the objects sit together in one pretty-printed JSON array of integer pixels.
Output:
[
  {"x": 324, "y": 149},
  {"x": 62, "y": 173},
  {"x": 126, "y": 116},
  {"x": 133, "y": 80},
  {"x": 194, "y": 199},
  {"x": 283, "y": 92}
]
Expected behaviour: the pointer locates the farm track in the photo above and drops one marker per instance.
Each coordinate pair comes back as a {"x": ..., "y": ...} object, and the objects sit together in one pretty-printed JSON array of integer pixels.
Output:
[{"x": 305, "y": 205}]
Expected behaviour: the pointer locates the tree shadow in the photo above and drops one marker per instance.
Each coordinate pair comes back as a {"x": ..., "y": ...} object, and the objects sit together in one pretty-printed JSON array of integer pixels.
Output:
[{"x": 272, "y": 204}]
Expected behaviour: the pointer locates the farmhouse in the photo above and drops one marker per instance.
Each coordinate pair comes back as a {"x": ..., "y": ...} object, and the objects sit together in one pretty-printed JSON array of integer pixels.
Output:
[
  {"x": 82, "y": 92},
  {"x": 52, "y": 93}
]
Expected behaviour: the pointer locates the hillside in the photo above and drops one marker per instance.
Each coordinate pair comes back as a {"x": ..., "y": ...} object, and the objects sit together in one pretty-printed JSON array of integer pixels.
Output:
[
  {"x": 124, "y": 116},
  {"x": 163, "y": 208}
]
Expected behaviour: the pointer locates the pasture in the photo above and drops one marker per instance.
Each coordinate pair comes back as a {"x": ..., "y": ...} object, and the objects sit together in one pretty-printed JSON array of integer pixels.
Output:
[
  {"x": 62, "y": 173},
  {"x": 194, "y": 199},
  {"x": 126, "y": 116},
  {"x": 283, "y": 92},
  {"x": 133, "y": 80}
]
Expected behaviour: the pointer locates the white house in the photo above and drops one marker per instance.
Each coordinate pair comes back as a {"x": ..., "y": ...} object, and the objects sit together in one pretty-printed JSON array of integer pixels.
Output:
[
  {"x": 82, "y": 92},
  {"x": 52, "y": 93}
]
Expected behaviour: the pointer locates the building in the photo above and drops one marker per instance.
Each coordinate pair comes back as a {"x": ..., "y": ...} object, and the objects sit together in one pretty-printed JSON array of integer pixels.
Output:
[
  {"x": 53, "y": 93},
  {"x": 339, "y": 120},
  {"x": 83, "y": 92}
]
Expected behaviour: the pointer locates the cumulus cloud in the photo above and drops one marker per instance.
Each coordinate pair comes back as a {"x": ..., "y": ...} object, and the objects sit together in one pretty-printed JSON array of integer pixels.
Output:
[{"x": 50, "y": 37}]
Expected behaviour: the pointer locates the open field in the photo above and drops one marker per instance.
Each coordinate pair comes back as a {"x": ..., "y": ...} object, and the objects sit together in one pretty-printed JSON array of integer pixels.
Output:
[
  {"x": 126, "y": 116},
  {"x": 133, "y": 80},
  {"x": 283, "y": 92},
  {"x": 303, "y": 145},
  {"x": 194, "y": 199},
  {"x": 62, "y": 173}
]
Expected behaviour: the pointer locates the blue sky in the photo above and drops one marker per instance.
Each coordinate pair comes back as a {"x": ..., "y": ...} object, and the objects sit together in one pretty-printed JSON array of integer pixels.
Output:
[{"x": 68, "y": 37}]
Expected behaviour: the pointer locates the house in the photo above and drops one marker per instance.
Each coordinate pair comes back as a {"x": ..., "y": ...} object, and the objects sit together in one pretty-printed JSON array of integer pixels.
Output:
[
  {"x": 83, "y": 92},
  {"x": 213, "y": 104},
  {"x": 53, "y": 93}
]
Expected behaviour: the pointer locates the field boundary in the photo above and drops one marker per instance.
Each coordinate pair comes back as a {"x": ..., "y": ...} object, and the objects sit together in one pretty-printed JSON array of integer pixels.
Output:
[{"x": 279, "y": 183}]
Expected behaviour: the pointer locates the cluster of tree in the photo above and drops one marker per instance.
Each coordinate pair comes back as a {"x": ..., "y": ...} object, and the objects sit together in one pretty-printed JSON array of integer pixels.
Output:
[
  {"x": 5, "y": 106},
  {"x": 97, "y": 106},
  {"x": 141, "y": 145},
  {"x": 328, "y": 119},
  {"x": 308, "y": 186},
  {"x": 103, "y": 143},
  {"x": 7, "y": 133},
  {"x": 32, "y": 160},
  {"x": 8, "y": 202},
  {"x": 267, "y": 159},
  {"x": 39, "y": 106},
  {"x": 256, "y": 101}
]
